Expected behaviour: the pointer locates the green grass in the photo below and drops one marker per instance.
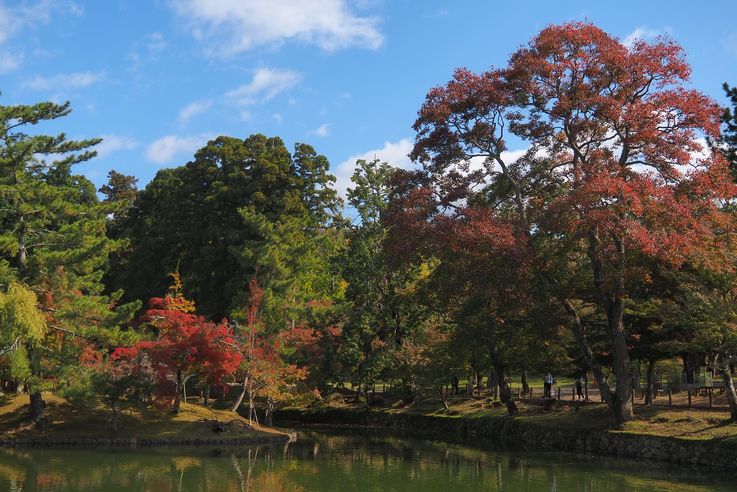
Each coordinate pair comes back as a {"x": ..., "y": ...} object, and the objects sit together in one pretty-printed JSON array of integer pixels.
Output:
[
  {"x": 67, "y": 421},
  {"x": 681, "y": 423}
]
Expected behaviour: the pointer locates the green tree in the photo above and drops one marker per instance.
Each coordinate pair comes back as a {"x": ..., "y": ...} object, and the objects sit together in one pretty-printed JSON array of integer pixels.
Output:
[
  {"x": 191, "y": 216},
  {"x": 729, "y": 129},
  {"x": 120, "y": 193},
  {"x": 380, "y": 309},
  {"x": 52, "y": 241}
]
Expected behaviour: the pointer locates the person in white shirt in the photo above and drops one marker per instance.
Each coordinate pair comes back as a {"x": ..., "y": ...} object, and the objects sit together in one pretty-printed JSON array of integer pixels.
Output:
[{"x": 548, "y": 385}]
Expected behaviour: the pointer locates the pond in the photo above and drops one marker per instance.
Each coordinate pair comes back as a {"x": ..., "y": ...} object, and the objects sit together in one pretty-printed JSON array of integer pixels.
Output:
[{"x": 339, "y": 461}]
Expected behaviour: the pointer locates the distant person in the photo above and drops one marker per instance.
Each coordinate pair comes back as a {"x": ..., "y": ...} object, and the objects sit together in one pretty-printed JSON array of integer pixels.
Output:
[
  {"x": 454, "y": 384},
  {"x": 579, "y": 388},
  {"x": 548, "y": 385}
]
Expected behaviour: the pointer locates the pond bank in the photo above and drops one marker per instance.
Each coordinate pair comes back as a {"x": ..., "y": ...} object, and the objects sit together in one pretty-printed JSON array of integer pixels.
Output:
[
  {"x": 95, "y": 442},
  {"x": 90, "y": 426},
  {"x": 522, "y": 431}
]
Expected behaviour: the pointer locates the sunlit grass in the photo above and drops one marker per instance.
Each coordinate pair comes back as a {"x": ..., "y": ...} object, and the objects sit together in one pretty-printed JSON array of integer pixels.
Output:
[{"x": 67, "y": 421}]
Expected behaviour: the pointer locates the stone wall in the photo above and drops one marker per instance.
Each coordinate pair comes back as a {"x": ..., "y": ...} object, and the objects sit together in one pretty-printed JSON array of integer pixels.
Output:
[
  {"x": 713, "y": 453},
  {"x": 93, "y": 442}
]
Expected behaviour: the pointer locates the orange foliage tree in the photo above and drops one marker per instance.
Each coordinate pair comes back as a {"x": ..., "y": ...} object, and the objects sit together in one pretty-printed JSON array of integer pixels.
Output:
[{"x": 616, "y": 169}]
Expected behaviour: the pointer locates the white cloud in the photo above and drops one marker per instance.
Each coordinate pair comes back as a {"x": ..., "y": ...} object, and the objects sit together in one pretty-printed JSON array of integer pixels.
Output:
[
  {"x": 165, "y": 149},
  {"x": 436, "y": 14},
  {"x": 113, "y": 143},
  {"x": 9, "y": 61},
  {"x": 155, "y": 42},
  {"x": 395, "y": 153},
  {"x": 278, "y": 119},
  {"x": 193, "y": 109},
  {"x": 14, "y": 20},
  {"x": 65, "y": 81},
  {"x": 146, "y": 49},
  {"x": 643, "y": 33},
  {"x": 265, "y": 85},
  {"x": 322, "y": 130},
  {"x": 230, "y": 27}
]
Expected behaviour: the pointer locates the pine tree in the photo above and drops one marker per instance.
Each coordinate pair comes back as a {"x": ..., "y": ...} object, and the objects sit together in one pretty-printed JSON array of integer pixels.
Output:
[
  {"x": 52, "y": 243},
  {"x": 729, "y": 130}
]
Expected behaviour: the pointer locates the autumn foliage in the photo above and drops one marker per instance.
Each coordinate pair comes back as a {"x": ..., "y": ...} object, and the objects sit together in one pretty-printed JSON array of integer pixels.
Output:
[
  {"x": 185, "y": 345},
  {"x": 616, "y": 171}
]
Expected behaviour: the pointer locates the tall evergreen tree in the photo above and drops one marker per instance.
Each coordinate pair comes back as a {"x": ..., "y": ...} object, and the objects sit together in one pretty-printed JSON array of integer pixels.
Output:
[
  {"x": 190, "y": 217},
  {"x": 729, "y": 130},
  {"x": 53, "y": 247}
]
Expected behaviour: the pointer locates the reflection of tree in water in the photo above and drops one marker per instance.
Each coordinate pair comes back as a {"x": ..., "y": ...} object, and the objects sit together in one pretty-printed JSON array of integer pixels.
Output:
[
  {"x": 334, "y": 462},
  {"x": 427, "y": 466},
  {"x": 155, "y": 470}
]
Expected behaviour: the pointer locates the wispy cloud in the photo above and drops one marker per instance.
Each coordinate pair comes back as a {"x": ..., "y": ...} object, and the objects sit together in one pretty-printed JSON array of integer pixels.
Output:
[
  {"x": 265, "y": 85},
  {"x": 193, "y": 109},
  {"x": 436, "y": 14},
  {"x": 322, "y": 130},
  {"x": 395, "y": 153},
  {"x": 229, "y": 27},
  {"x": 147, "y": 49},
  {"x": 9, "y": 61},
  {"x": 113, "y": 143},
  {"x": 28, "y": 15},
  {"x": 166, "y": 149},
  {"x": 64, "y": 81},
  {"x": 644, "y": 33}
]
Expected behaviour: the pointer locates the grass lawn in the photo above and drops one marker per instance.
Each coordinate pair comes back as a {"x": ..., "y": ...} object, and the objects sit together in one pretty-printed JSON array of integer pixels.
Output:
[
  {"x": 67, "y": 421},
  {"x": 681, "y": 423}
]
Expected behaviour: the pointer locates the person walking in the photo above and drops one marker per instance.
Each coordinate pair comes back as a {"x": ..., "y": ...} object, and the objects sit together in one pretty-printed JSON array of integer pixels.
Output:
[
  {"x": 579, "y": 388},
  {"x": 548, "y": 385}
]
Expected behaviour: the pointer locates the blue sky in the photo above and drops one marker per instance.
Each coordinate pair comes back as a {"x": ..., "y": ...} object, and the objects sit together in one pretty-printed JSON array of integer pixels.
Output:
[{"x": 157, "y": 78}]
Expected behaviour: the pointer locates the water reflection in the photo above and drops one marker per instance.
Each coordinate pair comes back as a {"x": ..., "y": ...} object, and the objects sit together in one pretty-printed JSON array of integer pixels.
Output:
[{"x": 332, "y": 462}]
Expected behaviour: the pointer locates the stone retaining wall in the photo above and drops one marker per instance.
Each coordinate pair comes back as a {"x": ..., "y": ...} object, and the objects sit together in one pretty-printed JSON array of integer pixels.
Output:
[
  {"x": 91, "y": 442},
  {"x": 713, "y": 453}
]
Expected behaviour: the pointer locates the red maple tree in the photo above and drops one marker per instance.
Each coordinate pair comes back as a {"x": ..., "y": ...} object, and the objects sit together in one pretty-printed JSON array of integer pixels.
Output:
[
  {"x": 185, "y": 345},
  {"x": 616, "y": 165}
]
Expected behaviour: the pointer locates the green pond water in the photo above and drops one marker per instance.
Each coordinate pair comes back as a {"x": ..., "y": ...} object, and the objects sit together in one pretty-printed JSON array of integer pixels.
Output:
[{"x": 342, "y": 462}]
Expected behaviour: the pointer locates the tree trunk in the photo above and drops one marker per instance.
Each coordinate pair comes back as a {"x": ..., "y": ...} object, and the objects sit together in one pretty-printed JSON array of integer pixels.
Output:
[
  {"x": 505, "y": 392},
  {"x": 36, "y": 399},
  {"x": 268, "y": 417},
  {"x": 37, "y": 405},
  {"x": 579, "y": 333},
  {"x": 115, "y": 424},
  {"x": 237, "y": 403},
  {"x": 621, "y": 405},
  {"x": 444, "y": 397},
  {"x": 206, "y": 396},
  {"x": 611, "y": 292},
  {"x": 525, "y": 383},
  {"x": 729, "y": 389},
  {"x": 178, "y": 393},
  {"x": 22, "y": 250},
  {"x": 649, "y": 383},
  {"x": 691, "y": 364},
  {"x": 252, "y": 415}
]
